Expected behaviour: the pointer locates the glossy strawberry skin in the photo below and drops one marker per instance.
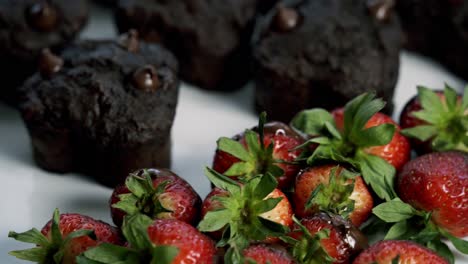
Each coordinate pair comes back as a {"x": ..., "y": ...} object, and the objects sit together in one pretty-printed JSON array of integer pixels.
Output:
[
  {"x": 437, "y": 182},
  {"x": 194, "y": 247},
  {"x": 69, "y": 223},
  {"x": 385, "y": 251},
  {"x": 179, "y": 197},
  {"x": 397, "y": 152},
  {"x": 284, "y": 140},
  {"x": 264, "y": 253},
  {"x": 345, "y": 240},
  {"x": 310, "y": 178}
]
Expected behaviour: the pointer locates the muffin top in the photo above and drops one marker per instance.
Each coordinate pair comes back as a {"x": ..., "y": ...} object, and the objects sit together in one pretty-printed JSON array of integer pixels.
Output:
[
  {"x": 108, "y": 92},
  {"x": 27, "y": 26}
]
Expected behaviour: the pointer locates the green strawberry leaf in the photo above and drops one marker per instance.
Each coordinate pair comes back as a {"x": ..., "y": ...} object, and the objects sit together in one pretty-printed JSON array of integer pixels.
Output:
[
  {"x": 106, "y": 253},
  {"x": 214, "y": 220},
  {"x": 379, "y": 174},
  {"x": 311, "y": 122},
  {"x": 367, "y": 107},
  {"x": 37, "y": 254},
  {"x": 253, "y": 143},
  {"x": 376, "y": 136},
  {"x": 222, "y": 181},
  {"x": 234, "y": 148},
  {"x": 240, "y": 168},
  {"x": 134, "y": 229},
  {"x": 450, "y": 98},
  {"x": 267, "y": 183},
  {"x": 397, "y": 231},
  {"x": 266, "y": 205},
  {"x": 465, "y": 98},
  {"x": 394, "y": 211},
  {"x": 442, "y": 249},
  {"x": 423, "y": 133},
  {"x": 32, "y": 236},
  {"x": 164, "y": 254},
  {"x": 261, "y": 124},
  {"x": 431, "y": 103},
  {"x": 458, "y": 243}
]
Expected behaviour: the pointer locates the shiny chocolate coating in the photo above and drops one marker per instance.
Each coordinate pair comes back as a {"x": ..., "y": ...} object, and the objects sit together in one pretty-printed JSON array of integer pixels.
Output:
[
  {"x": 130, "y": 40},
  {"x": 382, "y": 10},
  {"x": 146, "y": 78},
  {"x": 286, "y": 19},
  {"x": 49, "y": 64},
  {"x": 42, "y": 16}
]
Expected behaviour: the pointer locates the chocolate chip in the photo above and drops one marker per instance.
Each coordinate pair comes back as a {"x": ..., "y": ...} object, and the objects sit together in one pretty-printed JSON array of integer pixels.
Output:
[
  {"x": 146, "y": 78},
  {"x": 42, "y": 16},
  {"x": 382, "y": 10},
  {"x": 130, "y": 40},
  {"x": 49, "y": 64},
  {"x": 286, "y": 19}
]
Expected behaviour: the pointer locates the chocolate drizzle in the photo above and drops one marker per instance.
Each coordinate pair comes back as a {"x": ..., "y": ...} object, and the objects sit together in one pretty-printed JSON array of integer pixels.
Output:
[
  {"x": 382, "y": 10},
  {"x": 130, "y": 41},
  {"x": 286, "y": 19},
  {"x": 49, "y": 64},
  {"x": 146, "y": 78},
  {"x": 42, "y": 16}
]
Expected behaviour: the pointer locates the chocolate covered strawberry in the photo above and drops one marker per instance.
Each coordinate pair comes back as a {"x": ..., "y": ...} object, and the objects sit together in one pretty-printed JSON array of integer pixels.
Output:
[
  {"x": 254, "y": 211},
  {"x": 326, "y": 238},
  {"x": 267, "y": 254},
  {"x": 162, "y": 241},
  {"x": 157, "y": 193},
  {"x": 433, "y": 202},
  {"x": 332, "y": 188},
  {"x": 436, "y": 121},
  {"x": 359, "y": 136},
  {"x": 395, "y": 251},
  {"x": 65, "y": 237},
  {"x": 267, "y": 148}
]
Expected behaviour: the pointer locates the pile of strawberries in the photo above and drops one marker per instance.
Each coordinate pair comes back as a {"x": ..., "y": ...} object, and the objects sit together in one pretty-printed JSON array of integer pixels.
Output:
[{"x": 316, "y": 191}]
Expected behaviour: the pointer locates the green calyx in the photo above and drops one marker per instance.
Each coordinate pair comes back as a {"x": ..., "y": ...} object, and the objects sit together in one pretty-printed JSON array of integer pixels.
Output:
[
  {"x": 143, "y": 197},
  {"x": 308, "y": 249},
  {"x": 255, "y": 159},
  {"x": 411, "y": 224},
  {"x": 349, "y": 146},
  {"x": 49, "y": 249},
  {"x": 334, "y": 197},
  {"x": 446, "y": 120},
  {"x": 240, "y": 219},
  {"x": 140, "y": 250}
]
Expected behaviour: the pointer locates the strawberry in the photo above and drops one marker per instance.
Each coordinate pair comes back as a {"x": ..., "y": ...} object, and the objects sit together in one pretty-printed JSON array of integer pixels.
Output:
[
  {"x": 397, "y": 152},
  {"x": 161, "y": 241},
  {"x": 264, "y": 253},
  {"x": 436, "y": 121},
  {"x": 157, "y": 193},
  {"x": 326, "y": 238},
  {"x": 333, "y": 189},
  {"x": 395, "y": 251},
  {"x": 254, "y": 211},
  {"x": 266, "y": 150},
  {"x": 360, "y": 137},
  {"x": 65, "y": 237},
  {"x": 433, "y": 202}
]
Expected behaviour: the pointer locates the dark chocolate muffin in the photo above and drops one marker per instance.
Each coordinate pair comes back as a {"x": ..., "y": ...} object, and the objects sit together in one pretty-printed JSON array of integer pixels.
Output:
[
  {"x": 104, "y": 108},
  {"x": 210, "y": 38},
  {"x": 322, "y": 53},
  {"x": 27, "y": 27},
  {"x": 437, "y": 28}
]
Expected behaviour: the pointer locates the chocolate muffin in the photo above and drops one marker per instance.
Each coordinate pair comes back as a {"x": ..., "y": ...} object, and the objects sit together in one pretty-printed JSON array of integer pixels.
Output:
[
  {"x": 439, "y": 29},
  {"x": 209, "y": 38},
  {"x": 103, "y": 108},
  {"x": 322, "y": 53},
  {"x": 27, "y": 27}
]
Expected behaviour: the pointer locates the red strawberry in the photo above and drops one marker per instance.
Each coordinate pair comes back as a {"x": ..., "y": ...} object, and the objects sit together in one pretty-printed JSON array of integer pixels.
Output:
[
  {"x": 264, "y": 253},
  {"x": 254, "y": 211},
  {"x": 397, "y": 152},
  {"x": 359, "y": 136},
  {"x": 436, "y": 120},
  {"x": 437, "y": 183},
  {"x": 334, "y": 239},
  {"x": 395, "y": 251},
  {"x": 266, "y": 150},
  {"x": 348, "y": 197},
  {"x": 157, "y": 193},
  {"x": 65, "y": 237},
  {"x": 165, "y": 241}
]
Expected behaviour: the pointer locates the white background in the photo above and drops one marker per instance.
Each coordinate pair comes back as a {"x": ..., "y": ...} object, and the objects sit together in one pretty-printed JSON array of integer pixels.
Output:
[{"x": 29, "y": 195}]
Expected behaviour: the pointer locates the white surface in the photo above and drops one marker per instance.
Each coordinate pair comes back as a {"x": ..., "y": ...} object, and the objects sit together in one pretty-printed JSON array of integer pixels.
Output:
[{"x": 30, "y": 194}]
